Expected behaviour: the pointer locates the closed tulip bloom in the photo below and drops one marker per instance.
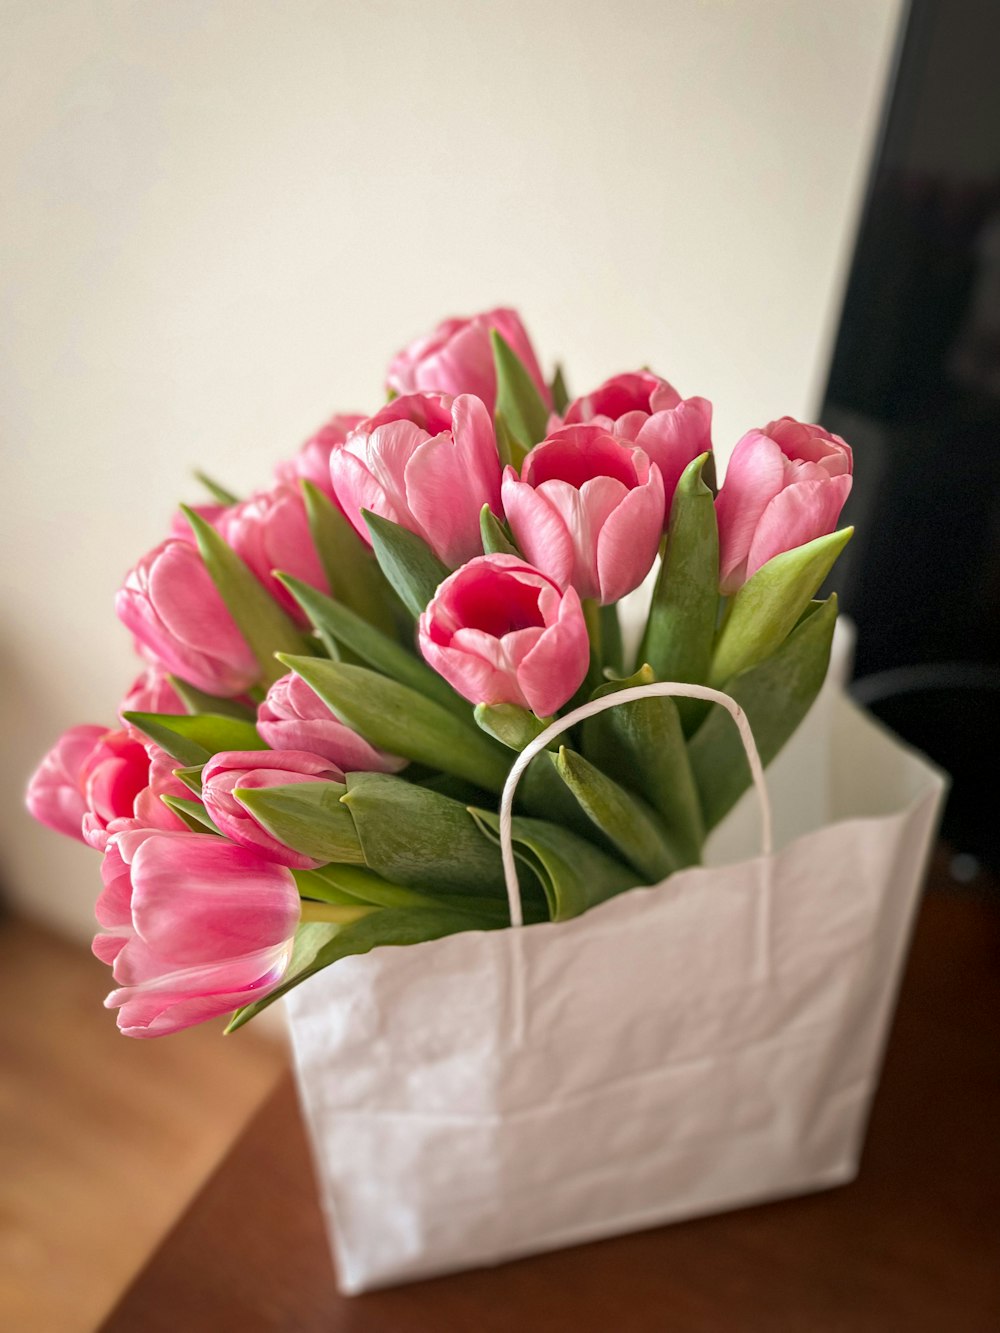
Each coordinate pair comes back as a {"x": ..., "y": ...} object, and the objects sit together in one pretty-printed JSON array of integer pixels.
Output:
[
  {"x": 312, "y": 462},
  {"x": 294, "y": 717},
  {"x": 270, "y": 532},
  {"x": 651, "y": 414},
  {"x": 151, "y": 692},
  {"x": 501, "y": 632},
  {"x": 255, "y": 769},
  {"x": 173, "y": 608},
  {"x": 428, "y": 463},
  {"x": 785, "y": 485},
  {"x": 457, "y": 357},
  {"x": 55, "y": 794},
  {"x": 193, "y": 927},
  {"x": 587, "y": 510}
]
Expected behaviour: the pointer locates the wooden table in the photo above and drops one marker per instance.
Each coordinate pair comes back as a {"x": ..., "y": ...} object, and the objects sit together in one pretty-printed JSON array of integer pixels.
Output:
[{"x": 912, "y": 1246}]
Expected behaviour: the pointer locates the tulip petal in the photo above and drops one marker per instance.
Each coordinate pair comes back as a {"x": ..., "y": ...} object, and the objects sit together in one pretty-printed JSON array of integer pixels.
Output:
[
  {"x": 754, "y": 476},
  {"x": 801, "y": 512},
  {"x": 539, "y": 529},
  {"x": 628, "y": 540}
]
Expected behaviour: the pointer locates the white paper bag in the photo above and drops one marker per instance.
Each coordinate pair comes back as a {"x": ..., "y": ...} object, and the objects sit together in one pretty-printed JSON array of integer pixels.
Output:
[{"x": 678, "y": 1050}]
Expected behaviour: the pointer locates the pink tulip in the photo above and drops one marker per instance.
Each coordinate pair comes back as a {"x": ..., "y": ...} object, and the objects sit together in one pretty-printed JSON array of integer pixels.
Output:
[
  {"x": 254, "y": 769},
  {"x": 151, "y": 692},
  {"x": 587, "y": 510},
  {"x": 785, "y": 485},
  {"x": 649, "y": 412},
  {"x": 501, "y": 632},
  {"x": 193, "y": 927},
  {"x": 173, "y": 608},
  {"x": 111, "y": 777},
  {"x": 149, "y": 810},
  {"x": 457, "y": 357},
  {"x": 55, "y": 794},
  {"x": 270, "y": 532},
  {"x": 180, "y": 527},
  {"x": 429, "y": 464},
  {"x": 294, "y": 717},
  {"x": 312, "y": 462}
]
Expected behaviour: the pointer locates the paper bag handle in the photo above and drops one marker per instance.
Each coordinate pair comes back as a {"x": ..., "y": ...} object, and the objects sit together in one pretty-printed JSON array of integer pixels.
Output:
[{"x": 634, "y": 692}]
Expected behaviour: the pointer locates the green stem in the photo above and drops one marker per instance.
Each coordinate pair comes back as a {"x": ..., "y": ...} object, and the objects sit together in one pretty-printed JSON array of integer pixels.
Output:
[
  {"x": 592, "y": 619},
  {"x": 333, "y": 913}
]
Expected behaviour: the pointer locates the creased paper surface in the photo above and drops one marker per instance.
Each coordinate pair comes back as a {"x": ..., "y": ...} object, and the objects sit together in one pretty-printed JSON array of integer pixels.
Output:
[{"x": 681, "y": 1049}]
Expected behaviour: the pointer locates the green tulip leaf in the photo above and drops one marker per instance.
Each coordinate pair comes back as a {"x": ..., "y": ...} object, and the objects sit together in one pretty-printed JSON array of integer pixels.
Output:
[
  {"x": 318, "y": 945},
  {"x": 769, "y": 604},
  {"x": 193, "y": 813},
  {"x": 373, "y": 647},
  {"x": 511, "y": 725},
  {"x": 519, "y": 404},
  {"x": 258, "y": 616},
  {"x": 574, "y": 874},
  {"x": 560, "y": 393},
  {"x": 194, "y": 738},
  {"x": 775, "y": 695},
  {"x": 394, "y": 717},
  {"x": 354, "y": 884},
  {"x": 406, "y": 560},
  {"x": 680, "y": 631},
  {"x": 218, "y": 493},
  {"x": 306, "y": 816},
  {"x": 197, "y": 701},
  {"x": 351, "y": 569},
  {"x": 496, "y": 538},
  {"x": 623, "y": 818}
]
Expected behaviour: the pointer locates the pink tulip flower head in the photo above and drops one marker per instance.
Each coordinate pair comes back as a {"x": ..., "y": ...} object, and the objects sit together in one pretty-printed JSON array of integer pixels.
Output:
[
  {"x": 428, "y": 463},
  {"x": 173, "y": 608},
  {"x": 55, "y": 794},
  {"x": 500, "y": 632},
  {"x": 150, "y": 692},
  {"x": 270, "y": 532},
  {"x": 457, "y": 357},
  {"x": 255, "y": 769},
  {"x": 193, "y": 927},
  {"x": 312, "y": 462},
  {"x": 649, "y": 412},
  {"x": 785, "y": 485},
  {"x": 294, "y": 717},
  {"x": 587, "y": 510}
]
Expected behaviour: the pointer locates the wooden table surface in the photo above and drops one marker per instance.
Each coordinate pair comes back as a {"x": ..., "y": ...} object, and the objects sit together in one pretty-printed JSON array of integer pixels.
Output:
[{"x": 913, "y": 1245}]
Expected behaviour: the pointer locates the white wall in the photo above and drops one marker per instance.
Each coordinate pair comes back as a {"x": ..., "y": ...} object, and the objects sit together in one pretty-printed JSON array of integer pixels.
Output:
[{"x": 220, "y": 217}]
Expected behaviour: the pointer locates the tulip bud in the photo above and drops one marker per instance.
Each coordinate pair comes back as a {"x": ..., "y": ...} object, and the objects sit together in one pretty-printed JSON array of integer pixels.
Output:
[
  {"x": 457, "y": 357},
  {"x": 270, "y": 532},
  {"x": 501, "y": 632},
  {"x": 785, "y": 485},
  {"x": 312, "y": 462},
  {"x": 255, "y": 769},
  {"x": 294, "y": 717},
  {"x": 427, "y": 463},
  {"x": 193, "y": 927},
  {"x": 587, "y": 511},
  {"x": 173, "y": 608}
]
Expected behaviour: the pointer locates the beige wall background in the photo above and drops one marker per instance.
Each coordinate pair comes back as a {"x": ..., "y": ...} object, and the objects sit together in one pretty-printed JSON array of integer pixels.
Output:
[{"x": 221, "y": 218}]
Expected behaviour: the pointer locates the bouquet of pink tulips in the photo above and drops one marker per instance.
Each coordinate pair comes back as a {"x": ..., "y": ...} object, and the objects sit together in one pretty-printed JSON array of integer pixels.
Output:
[{"x": 342, "y": 668}]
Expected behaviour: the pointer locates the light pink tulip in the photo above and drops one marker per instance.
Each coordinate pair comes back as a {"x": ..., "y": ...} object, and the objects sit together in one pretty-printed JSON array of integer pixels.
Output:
[
  {"x": 587, "y": 510},
  {"x": 649, "y": 412},
  {"x": 112, "y": 776},
  {"x": 255, "y": 769},
  {"x": 312, "y": 462},
  {"x": 270, "y": 532},
  {"x": 173, "y": 608},
  {"x": 785, "y": 485},
  {"x": 55, "y": 794},
  {"x": 501, "y": 632},
  {"x": 427, "y": 463},
  {"x": 457, "y": 357},
  {"x": 151, "y": 692},
  {"x": 294, "y": 717},
  {"x": 193, "y": 927}
]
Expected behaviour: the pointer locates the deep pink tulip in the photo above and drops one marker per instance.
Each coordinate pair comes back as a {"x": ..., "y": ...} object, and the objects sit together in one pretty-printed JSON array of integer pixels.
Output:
[
  {"x": 427, "y": 462},
  {"x": 55, "y": 792},
  {"x": 270, "y": 532},
  {"x": 501, "y": 632},
  {"x": 651, "y": 414},
  {"x": 587, "y": 510},
  {"x": 111, "y": 776},
  {"x": 173, "y": 608},
  {"x": 193, "y": 927},
  {"x": 312, "y": 462},
  {"x": 151, "y": 692},
  {"x": 294, "y": 717},
  {"x": 785, "y": 485},
  {"x": 255, "y": 769},
  {"x": 457, "y": 357}
]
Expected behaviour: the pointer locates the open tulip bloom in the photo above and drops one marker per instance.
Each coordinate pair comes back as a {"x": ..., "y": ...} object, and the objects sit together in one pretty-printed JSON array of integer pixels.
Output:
[{"x": 341, "y": 670}]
